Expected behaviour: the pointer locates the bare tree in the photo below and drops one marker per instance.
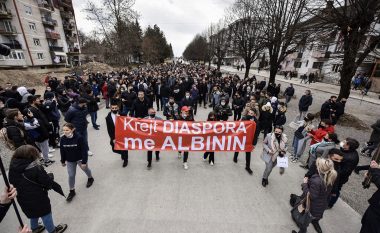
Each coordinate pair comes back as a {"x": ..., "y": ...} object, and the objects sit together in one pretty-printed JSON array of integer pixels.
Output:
[
  {"x": 112, "y": 17},
  {"x": 219, "y": 41},
  {"x": 280, "y": 22},
  {"x": 246, "y": 35},
  {"x": 357, "y": 25}
]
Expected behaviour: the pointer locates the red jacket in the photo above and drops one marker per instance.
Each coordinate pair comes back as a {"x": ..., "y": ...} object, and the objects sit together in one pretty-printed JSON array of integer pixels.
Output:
[
  {"x": 105, "y": 91},
  {"x": 320, "y": 133}
]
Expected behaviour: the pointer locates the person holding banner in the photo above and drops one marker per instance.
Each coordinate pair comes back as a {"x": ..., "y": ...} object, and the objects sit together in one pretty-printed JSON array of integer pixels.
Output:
[
  {"x": 152, "y": 116},
  {"x": 223, "y": 110},
  {"x": 275, "y": 145},
  {"x": 211, "y": 117},
  {"x": 185, "y": 116},
  {"x": 110, "y": 121},
  {"x": 251, "y": 116}
]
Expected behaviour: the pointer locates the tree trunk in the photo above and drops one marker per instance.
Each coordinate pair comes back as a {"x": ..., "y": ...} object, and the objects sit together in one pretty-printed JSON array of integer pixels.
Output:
[
  {"x": 218, "y": 64},
  {"x": 272, "y": 73},
  {"x": 247, "y": 68},
  {"x": 346, "y": 74}
]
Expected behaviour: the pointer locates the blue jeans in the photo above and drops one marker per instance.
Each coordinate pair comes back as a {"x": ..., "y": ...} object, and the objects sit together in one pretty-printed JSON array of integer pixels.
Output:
[
  {"x": 94, "y": 117},
  {"x": 47, "y": 221},
  {"x": 126, "y": 110},
  {"x": 85, "y": 137},
  {"x": 164, "y": 101}
]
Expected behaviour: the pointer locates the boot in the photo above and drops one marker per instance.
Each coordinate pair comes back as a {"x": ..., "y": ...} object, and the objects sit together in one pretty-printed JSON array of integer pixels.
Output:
[
  {"x": 264, "y": 183},
  {"x": 317, "y": 227},
  {"x": 39, "y": 229},
  {"x": 71, "y": 195},
  {"x": 149, "y": 165},
  {"x": 90, "y": 181},
  {"x": 248, "y": 169},
  {"x": 60, "y": 228},
  {"x": 125, "y": 163}
]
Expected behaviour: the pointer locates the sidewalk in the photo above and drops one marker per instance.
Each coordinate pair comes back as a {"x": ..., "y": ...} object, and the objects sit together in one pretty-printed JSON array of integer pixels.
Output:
[{"x": 318, "y": 86}]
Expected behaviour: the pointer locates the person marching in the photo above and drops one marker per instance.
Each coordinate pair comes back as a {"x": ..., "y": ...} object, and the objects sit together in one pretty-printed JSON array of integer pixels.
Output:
[
  {"x": 110, "y": 122},
  {"x": 185, "y": 116},
  {"x": 73, "y": 153},
  {"x": 211, "y": 161},
  {"x": 251, "y": 116},
  {"x": 275, "y": 144},
  {"x": 152, "y": 116}
]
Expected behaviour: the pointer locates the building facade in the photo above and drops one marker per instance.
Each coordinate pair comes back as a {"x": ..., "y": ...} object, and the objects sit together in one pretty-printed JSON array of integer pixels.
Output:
[{"x": 41, "y": 33}]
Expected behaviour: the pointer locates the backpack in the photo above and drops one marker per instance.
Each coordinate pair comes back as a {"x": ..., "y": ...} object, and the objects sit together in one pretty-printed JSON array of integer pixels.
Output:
[{"x": 7, "y": 141}]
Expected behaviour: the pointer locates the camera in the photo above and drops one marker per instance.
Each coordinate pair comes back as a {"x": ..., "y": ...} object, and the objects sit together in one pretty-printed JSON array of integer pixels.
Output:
[{"x": 4, "y": 50}]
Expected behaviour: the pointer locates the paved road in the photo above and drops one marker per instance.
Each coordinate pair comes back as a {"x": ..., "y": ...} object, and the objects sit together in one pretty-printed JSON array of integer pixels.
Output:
[{"x": 223, "y": 198}]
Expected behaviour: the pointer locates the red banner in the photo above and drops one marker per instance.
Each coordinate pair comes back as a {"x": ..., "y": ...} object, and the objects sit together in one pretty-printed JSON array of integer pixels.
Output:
[{"x": 146, "y": 134}]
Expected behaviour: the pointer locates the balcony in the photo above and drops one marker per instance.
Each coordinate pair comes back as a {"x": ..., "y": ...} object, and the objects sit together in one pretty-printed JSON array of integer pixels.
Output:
[
  {"x": 73, "y": 51},
  {"x": 14, "y": 45},
  {"x": 56, "y": 48},
  {"x": 5, "y": 14},
  {"x": 68, "y": 26},
  {"x": 44, "y": 5},
  {"x": 321, "y": 55},
  {"x": 67, "y": 14},
  {"x": 49, "y": 21},
  {"x": 66, "y": 3},
  {"x": 9, "y": 30},
  {"x": 53, "y": 35}
]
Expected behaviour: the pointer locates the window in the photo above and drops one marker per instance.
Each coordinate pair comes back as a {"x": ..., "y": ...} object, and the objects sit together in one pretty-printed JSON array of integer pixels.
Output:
[
  {"x": 40, "y": 56},
  {"x": 28, "y": 10},
  {"x": 317, "y": 65},
  {"x": 14, "y": 55},
  {"x": 8, "y": 26},
  {"x": 307, "y": 63},
  {"x": 37, "y": 42},
  {"x": 297, "y": 64},
  {"x": 336, "y": 67},
  {"x": 32, "y": 26},
  {"x": 3, "y": 7}
]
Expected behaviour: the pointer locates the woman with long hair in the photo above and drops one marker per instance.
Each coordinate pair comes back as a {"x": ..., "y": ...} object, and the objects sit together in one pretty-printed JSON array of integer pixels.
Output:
[
  {"x": 318, "y": 188},
  {"x": 32, "y": 183}
]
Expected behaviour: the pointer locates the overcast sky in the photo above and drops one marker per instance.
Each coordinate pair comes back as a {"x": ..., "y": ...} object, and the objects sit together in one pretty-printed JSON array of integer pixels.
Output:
[{"x": 180, "y": 20}]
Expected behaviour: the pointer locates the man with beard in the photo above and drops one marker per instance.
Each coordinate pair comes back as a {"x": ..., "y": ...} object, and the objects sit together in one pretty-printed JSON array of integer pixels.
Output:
[{"x": 110, "y": 121}]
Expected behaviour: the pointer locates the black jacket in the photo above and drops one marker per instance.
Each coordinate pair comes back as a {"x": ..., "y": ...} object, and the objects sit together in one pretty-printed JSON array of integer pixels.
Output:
[
  {"x": 111, "y": 131},
  {"x": 42, "y": 119},
  {"x": 16, "y": 132},
  {"x": 77, "y": 116},
  {"x": 238, "y": 104},
  {"x": 319, "y": 195},
  {"x": 165, "y": 91},
  {"x": 375, "y": 135},
  {"x": 3, "y": 210},
  {"x": 127, "y": 98},
  {"x": 140, "y": 108},
  {"x": 32, "y": 184},
  {"x": 222, "y": 112},
  {"x": 349, "y": 163},
  {"x": 374, "y": 201},
  {"x": 289, "y": 91},
  {"x": 92, "y": 104},
  {"x": 266, "y": 119},
  {"x": 280, "y": 118},
  {"x": 72, "y": 149},
  {"x": 64, "y": 103},
  {"x": 305, "y": 102},
  {"x": 327, "y": 109}
]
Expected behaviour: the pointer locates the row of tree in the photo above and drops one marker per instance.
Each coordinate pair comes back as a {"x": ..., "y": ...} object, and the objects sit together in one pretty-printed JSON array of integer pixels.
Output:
[
  {"x": 119, "y": 38},
  {"x": 253, "y": 28}
]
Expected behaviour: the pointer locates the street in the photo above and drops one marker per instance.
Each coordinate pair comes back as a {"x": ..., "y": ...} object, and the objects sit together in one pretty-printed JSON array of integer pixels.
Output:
[{"x": 222, "y": 198}]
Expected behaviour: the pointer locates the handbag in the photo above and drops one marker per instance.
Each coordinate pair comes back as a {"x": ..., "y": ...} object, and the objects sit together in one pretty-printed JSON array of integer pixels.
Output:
[{"x": 301, "y": 212}]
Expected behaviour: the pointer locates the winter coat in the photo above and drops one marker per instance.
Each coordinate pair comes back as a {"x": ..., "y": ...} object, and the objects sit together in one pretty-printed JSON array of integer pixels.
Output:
[
  {"x": 140, "y": 108},
  {"x": 72, "y": 149},
  {"x": 271, "y": 143},
  {"x": 266, "y": 119},
  {"x": 375, "y": 135},
  {"x": 222, "y": 112},
  {"x": 319, "y": 195},
  {"x": 92, "y": 105},
  {"x": 349, "y": 163},
  {"x": 77, "y": 116},
  {"x": 32, "y": 184},
  {"x": 327, "y": 109},
  {"x": 64, "y": 103},
  {"x": 289, "y": 91},
  {"x": 320, "y": 133},
  {"x": 305, "y": 102},
  {"x": 238, "y": 104}
]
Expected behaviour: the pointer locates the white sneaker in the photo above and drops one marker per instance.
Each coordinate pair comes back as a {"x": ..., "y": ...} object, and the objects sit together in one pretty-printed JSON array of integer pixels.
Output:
[
  {"x": 51, "y": 150},
  {"x": 211, "y": 163},
  {"x": 90, "y": 153},
  {"x": 185, "y": 166},
  {"x": 179, "y": 154},
  {"x": 50, "y": 155}
]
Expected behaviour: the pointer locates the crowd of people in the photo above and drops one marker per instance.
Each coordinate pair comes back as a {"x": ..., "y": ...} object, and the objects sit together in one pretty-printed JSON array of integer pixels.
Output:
[{"x": 34, "y": 126}]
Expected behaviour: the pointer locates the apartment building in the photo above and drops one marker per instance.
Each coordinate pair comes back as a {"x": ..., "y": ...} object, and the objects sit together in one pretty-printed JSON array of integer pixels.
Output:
[{"x": 41, "y": 33}]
